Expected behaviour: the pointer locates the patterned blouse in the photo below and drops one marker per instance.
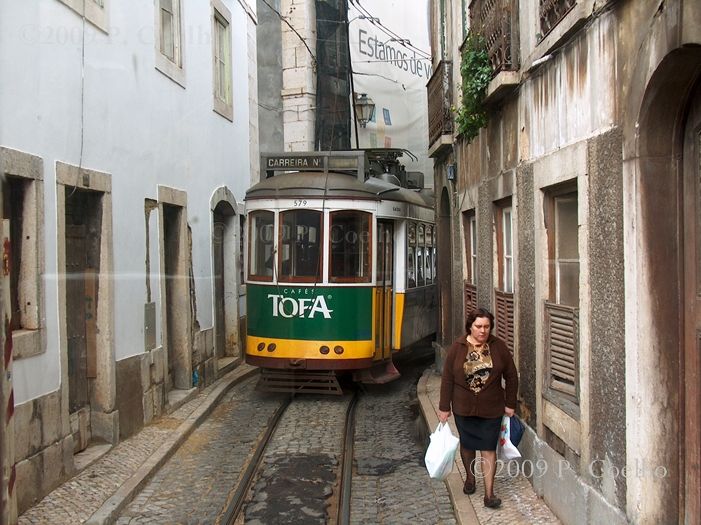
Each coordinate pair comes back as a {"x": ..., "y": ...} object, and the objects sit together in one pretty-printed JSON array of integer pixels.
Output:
[{"x": 478, "y": 366}]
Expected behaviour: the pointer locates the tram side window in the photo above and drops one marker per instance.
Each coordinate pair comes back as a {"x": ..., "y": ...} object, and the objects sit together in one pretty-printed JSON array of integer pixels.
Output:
[
  {"x": 420, "y": 248},
  {"x": 350, "y": 247},
  {"x": 260, "y": 235},
  {"x": 430, "y": 276},
  {"x": 411, "y": 256},
  {"x": 300, "y": 241}
]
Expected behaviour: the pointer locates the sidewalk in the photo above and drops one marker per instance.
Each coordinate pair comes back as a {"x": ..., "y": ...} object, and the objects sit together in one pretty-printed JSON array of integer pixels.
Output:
[
  {"x": 520, "y": 504},
  {"x": 97, "y": 494}
]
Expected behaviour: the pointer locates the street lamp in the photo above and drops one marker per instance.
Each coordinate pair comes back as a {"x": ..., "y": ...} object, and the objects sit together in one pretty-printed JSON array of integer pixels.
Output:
[{"x": 364, "y": 107}]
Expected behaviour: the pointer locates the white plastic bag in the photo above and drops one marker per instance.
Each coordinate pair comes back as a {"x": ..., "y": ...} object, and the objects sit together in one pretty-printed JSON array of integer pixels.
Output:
[
  {"x": 505, "y": 448},
  {"x": 440, "y": 455}
]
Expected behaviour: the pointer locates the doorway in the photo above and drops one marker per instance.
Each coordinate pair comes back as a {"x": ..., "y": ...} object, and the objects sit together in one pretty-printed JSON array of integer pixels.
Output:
[
  {"x": 225, "y": 284},
  {"x": 176, "y": 303},
  {"x": 83, "y": 215},
  {"x": 384, "y": 290}
]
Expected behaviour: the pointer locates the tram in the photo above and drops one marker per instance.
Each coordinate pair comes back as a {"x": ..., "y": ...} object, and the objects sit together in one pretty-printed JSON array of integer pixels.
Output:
[{"x": 340, "y": 267}]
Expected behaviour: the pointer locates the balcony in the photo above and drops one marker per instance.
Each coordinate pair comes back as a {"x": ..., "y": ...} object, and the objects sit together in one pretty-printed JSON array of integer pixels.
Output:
[
  {"x": 440, "y": 117},
  {"x": 497, "y": 22},
  {"x": 551, "y": 12}
]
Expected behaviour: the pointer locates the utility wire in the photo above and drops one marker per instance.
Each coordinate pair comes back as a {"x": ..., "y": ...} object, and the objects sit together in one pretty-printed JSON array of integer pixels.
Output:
[
  {"x": 404, "y": 41},
  {"x": 293, "y": 30}
]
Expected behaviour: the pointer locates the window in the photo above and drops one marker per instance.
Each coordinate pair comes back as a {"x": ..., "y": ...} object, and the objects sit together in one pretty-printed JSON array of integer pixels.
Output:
[
  {"x": 350, "y": 247},
  {"x": 507, "y": 281},
  {"x": 470, "y": 231},
  {"x": 300, "y": 242},
  {"x": 566, "y": 256},
  {"x": 221, "y": 48},
  {"x": 242, "y": 251},
  {"x": 411, "y": 256},
  {"x": 420, "y": 241},
  {"x": 261, "y": 257},
  {"x": 95, "y": 11},
  {"x": 561, "y": 310},
  {"x": 387, "y": 117},
  {"x": 169, "y": 43},
  {"x": 23, "y": 226},
  {"x": 470, "y": 289},
  {"x": 504, "y": 292},
  {"x": 430, "y": 255}
]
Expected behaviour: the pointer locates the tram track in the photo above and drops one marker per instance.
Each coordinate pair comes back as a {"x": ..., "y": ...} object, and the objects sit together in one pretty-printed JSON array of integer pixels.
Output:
[{"x": 330, "y": 486}]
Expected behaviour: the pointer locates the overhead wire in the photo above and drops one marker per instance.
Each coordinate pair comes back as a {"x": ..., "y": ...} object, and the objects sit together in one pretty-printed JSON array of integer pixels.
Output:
[
  {"x": 301, "y": 38},
  {"x": 398, "y": 38}
]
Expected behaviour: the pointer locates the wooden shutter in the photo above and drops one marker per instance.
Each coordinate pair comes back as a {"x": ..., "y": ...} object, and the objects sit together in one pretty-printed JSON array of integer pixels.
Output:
[
  {"x": 562, "y": 348},
  {"x": 470, "y": 298},
  {"x": 504, "y": 317}
]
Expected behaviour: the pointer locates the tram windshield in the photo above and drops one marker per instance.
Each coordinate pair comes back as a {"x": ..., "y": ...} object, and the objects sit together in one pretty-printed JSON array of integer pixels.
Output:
[
  {"x": 300, "y": 242},
  {"x": 350, "y": 246}
]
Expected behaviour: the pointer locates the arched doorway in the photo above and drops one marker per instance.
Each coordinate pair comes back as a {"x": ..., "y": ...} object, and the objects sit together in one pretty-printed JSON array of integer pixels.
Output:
[
  {"x": 225, "y": 267},
  {"x": 445, "y": 257},
  {"x": 664, "y": 293}
]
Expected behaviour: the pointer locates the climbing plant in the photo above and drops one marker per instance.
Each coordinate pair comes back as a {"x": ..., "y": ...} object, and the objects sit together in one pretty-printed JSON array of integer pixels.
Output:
[{"x": 476, "y": 72}]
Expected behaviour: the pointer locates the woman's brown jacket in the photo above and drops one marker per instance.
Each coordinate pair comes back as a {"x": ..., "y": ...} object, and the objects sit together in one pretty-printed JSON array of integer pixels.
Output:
[{"x": 491, "y": 400}]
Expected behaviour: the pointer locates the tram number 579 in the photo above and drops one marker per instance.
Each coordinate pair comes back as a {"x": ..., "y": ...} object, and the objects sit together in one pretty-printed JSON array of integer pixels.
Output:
[{"x": 300, "y": 203}]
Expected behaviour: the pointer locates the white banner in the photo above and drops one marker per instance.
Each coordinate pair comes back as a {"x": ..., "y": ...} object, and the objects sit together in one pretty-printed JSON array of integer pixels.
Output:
[{"x": 392, "y": 65}]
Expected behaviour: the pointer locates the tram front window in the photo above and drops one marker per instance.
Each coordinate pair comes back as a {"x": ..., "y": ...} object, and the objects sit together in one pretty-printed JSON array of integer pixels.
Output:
[
  {"x": 260, "y": 258},
  {"x": 300, "y": 241},
  {"x": 350, "y": 246}
]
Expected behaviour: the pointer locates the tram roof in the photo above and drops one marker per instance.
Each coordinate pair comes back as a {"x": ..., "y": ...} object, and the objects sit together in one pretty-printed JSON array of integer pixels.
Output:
[{"x": 333, "y": 185}]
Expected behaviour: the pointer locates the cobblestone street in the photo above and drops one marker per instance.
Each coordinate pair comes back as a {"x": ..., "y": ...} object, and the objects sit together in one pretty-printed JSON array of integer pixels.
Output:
[
  {"x": 193, "y": 486},
  {"x": 390, "y": 483}
]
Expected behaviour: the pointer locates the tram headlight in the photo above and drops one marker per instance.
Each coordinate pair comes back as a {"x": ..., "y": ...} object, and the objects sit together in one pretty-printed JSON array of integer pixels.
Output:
[
  {"x": 338, "y": 349},
  {"x": 261, "y": 347},
  {"x": 272, "y": 347},
  {"x": 324, "y": 350}
]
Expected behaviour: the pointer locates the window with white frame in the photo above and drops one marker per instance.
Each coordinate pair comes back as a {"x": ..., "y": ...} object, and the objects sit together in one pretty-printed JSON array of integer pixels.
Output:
[
  {"x": 221, "y": 50},
  {"x": 470, "y": 232},
  {"x": 95, "y": 11},
  {"x": 504, "y": 289},
  {"x": 169, "y": 40},
  {"x": 507, "y": 277}
]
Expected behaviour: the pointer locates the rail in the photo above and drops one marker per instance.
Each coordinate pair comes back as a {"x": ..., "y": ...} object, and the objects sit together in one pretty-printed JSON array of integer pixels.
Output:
[{"x": 495, "y": 21}]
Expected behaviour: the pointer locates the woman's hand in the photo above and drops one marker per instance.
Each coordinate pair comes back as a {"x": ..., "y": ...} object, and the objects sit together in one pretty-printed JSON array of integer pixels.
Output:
[
  {"x": 509, "y": 411},
  {"x": 443, "y": 416}
]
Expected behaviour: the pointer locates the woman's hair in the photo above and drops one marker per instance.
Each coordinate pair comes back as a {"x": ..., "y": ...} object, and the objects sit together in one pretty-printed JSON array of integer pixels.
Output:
[{"x": 479, "y": 312}]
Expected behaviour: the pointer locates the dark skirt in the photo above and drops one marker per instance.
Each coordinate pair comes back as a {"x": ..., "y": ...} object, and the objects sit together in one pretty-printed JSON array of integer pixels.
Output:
[{"x": 478, "y": 433}]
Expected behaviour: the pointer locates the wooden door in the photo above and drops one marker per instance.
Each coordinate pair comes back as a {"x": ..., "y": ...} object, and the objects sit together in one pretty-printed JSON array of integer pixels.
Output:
[
  {"x": 76, "y": 264},
  {"x": 691, "y": 442},
  {"x": 219, "y": 303}
]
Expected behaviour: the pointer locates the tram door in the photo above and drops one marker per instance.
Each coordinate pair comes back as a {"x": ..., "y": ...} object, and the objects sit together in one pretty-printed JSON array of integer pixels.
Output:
[{"x": 383, "y": 291}]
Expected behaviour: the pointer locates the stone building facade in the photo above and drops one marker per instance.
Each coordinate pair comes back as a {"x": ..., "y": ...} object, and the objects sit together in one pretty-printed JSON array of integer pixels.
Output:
[
  {"x": 573, "y": 216},
  {"x": 128, "y": 134}
]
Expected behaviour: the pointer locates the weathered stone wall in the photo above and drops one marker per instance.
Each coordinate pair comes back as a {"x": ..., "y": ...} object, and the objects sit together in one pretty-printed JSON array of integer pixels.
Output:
[
  {"x": 43, "y": 452},
  {"x": 526, "y": 319}
]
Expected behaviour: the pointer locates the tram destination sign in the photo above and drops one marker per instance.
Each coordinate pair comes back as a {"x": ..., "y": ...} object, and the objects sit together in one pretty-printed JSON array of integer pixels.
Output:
[{"x": 294, "y": 162}]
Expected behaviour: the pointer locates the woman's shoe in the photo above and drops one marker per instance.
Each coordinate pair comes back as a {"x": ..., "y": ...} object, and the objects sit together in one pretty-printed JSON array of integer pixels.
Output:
[
  {"x": 469, "y": 486},
  {"x": 492, "y": 502}
]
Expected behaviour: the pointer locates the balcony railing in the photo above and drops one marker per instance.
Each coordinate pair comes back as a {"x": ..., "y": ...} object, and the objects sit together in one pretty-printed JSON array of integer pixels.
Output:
[
  {"x": 440, "y": 118},
  {"x": 551, "y": 12},
  {"x": 493, "y": 20}
]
